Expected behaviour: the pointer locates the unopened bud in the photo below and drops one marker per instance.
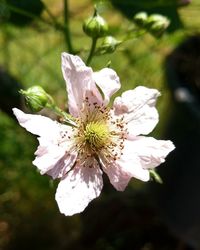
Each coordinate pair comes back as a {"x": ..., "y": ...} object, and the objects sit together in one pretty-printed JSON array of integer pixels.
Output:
[
  {"x": 157, "y": 24},
  {"x": 95, "y": 26},
  {"x": 141, "y": 19},
  {"x": 36, "y": 98},
  {"x": 109, "y": 45}
]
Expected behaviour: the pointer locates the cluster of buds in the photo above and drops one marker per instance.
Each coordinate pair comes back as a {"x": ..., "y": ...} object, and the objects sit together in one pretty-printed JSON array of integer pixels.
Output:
[
  {"x": 156, "y": 24},
  {"x": 96, "y": 27}
]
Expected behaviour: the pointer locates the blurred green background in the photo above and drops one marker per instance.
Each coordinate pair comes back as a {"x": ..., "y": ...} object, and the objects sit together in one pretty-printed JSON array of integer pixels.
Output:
[{"x": 30, "y": 52}]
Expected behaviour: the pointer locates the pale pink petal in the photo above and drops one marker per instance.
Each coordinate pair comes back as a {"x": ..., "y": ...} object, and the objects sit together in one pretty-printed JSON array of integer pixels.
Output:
[
  {"x": 117, "y": 176},
  {"x": 47, "y": 157},
  {"x": 63, "y": 166},
  {"x": 131, "y": 165},
  {"x": 108, "y": 81},
  {"x": 52, "y": 159},
  {"x": 138, "y": 109},
  {"x": 123, "y": 169},
  {"x": 79, "y": 83},
  {"x": 80, "y": 186},
  {"x": 37, "y": 124},
  {"x": 150, "y": 151},
  {"x": 53, "y": 154},
  {"x": 139, "y": 155}
]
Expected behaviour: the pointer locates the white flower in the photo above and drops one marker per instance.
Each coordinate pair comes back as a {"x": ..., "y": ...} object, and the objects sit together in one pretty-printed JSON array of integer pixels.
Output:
[{"x": 104, "y": 139}]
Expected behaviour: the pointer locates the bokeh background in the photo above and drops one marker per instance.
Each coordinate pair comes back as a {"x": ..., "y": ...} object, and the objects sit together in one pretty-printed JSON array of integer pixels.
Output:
[{"x": 145, "y": 216}]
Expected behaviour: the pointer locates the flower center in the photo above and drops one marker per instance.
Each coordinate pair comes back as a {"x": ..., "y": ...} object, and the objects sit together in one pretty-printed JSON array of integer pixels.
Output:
[
  {"x": 96, "y": 135},
  {"x": 99, "y": 135}
]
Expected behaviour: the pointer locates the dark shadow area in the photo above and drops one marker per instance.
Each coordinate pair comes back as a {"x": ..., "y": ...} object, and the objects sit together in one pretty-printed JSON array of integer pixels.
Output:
[
  {"x": 116, "y": 220},
  {"x": 9, "y": 92},
  {"x": 179, "y": 197},
  {"x": 20, "y": 12}
]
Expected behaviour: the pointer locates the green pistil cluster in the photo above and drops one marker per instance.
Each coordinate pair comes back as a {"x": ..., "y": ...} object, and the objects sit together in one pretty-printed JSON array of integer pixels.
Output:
[{"x": 96, "y": 135}]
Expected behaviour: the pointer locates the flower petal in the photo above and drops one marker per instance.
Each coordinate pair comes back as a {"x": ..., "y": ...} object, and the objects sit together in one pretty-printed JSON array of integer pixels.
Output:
[
  {"x": 122, "y": 170},
  {"x": 52, "y": 159},
  {"x": 117, "y": 176},
  {"x": 79, "y": 83},
  {"x": 38, "y": 124},
  {"x": 150, "y": 151},
  {"x": 139, "y": 155},
  {"x": 78, "y": 188},
  {"x": 47, "y": 155},
  {"x": 138, "y": 108},
  {"x": 53, "y": 154},
  {"x": 63, "y": 166},
  {"x": 108, "y": 81}
]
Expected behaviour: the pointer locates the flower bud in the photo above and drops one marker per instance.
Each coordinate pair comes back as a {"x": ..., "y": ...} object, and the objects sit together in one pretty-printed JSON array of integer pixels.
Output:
[
  {"x": 109, "y": 45},
  {"x": 140, "y": 19},
  {"x": 95, "y": 26},
  {"x": 36, "y": 98},
  {"x": 157, "y": 24}
]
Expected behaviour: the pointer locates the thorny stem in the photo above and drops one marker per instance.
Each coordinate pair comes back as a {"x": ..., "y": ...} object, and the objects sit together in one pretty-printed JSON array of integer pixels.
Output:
[
  {"x": 92, "y": 50},
  {"x": 66, "y": 30}
]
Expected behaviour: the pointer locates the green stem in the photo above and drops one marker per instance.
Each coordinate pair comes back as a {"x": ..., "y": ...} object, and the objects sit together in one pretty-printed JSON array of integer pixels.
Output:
[
  {"x": 134, "y": 34},
  {"x": 92, "y": 50},
  {"x": 68, "y": 119},
  {"x": 66, "y": 30}
]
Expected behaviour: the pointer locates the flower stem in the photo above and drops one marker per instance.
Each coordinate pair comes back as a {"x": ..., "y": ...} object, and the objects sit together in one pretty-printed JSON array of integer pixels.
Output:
[
  {"x": 68, "y": 119},
  {"x": 66, "y": 30},
  {"x": 134, "y": 34},
  {"x": 92, "y": 50}
]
